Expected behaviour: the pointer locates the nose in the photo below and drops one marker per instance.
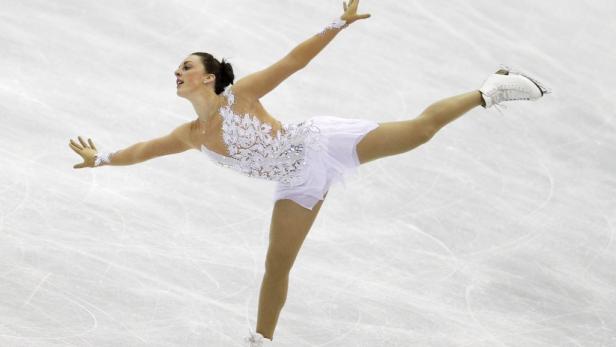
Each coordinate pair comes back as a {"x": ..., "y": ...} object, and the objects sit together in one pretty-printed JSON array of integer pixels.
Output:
[{"x": 176, "y": 73}]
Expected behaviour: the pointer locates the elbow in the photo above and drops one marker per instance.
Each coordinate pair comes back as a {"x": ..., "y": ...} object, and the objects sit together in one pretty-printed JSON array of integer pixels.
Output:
[
  {"x": 297, "y": 62},
  {"x": 302, "y": 65}
]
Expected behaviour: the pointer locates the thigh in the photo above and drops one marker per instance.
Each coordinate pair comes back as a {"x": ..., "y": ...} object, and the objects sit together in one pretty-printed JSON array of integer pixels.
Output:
[
  {"x": 289, "y": 226},
  {"x": 392, "y": 138}
]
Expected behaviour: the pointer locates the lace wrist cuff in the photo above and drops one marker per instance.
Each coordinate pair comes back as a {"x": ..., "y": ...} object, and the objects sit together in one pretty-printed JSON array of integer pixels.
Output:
[
  {"x": 336, "y": 24},
  {"x": 102, "y": 158}
]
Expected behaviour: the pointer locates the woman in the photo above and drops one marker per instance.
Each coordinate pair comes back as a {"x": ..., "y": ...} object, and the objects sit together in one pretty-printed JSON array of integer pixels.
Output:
[{"x": 304, "y": 158}]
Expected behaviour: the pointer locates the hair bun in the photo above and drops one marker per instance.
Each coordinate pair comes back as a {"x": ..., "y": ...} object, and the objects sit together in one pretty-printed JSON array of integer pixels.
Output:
[{"x": 226, "y": 73}]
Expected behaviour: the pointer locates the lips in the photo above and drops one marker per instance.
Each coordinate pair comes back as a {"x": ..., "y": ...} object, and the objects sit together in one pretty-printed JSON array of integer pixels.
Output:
[{"x": 178, "y": 82}]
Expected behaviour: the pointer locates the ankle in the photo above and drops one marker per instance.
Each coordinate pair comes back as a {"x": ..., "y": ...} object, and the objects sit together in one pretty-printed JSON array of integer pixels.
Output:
[
  {"x": 482, "y": 102},
  {"x": 266, "y": 337}
]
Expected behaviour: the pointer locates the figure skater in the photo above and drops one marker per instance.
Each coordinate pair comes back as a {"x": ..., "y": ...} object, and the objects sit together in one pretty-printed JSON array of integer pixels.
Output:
[{"x": 304, "y": 158}]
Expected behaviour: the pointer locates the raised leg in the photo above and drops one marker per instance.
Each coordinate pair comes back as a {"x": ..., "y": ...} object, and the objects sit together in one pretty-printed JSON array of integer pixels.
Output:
[
  {"x": 392, "y": 138},
  {"x": 289, "y": 226}
]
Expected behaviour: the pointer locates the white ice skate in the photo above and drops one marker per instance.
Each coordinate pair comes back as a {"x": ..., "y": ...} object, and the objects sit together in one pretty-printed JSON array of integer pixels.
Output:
[
  {"x": 508, "y": 85},
  {"x": 255, "y": 339}
]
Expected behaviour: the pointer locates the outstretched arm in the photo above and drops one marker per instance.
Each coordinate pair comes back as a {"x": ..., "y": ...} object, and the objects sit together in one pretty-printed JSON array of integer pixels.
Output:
[
  {"x": 175, "y": 142},
  {"x": 262, "y": 82}
]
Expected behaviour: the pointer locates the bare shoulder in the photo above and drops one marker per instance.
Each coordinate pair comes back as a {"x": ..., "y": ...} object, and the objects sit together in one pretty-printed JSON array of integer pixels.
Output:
[
  {"x": 246, "y": 102},
  {"x": 239, "y": 88},
  {"x": 185, "y": 133},
  {"x": 242, "y": 92}
]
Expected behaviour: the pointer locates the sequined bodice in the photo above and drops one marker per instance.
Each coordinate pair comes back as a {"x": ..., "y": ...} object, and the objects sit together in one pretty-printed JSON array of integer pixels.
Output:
[{"x": 255, "y": 152}]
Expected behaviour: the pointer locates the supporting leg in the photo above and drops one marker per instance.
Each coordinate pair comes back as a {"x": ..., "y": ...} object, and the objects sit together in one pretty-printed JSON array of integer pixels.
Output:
[
  {"x": 272, "y": 297},
  {"x": 289, "y": 227}
]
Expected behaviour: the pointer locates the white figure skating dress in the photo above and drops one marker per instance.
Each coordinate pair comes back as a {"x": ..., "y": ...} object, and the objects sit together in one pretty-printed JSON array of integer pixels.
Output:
[{"x": 305, "y": 158}]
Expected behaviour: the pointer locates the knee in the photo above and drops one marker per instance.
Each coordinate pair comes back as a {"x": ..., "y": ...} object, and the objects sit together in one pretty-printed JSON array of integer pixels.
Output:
[
  {"x": 278, "y": 265},
  {"x": 427, "y": 126}
]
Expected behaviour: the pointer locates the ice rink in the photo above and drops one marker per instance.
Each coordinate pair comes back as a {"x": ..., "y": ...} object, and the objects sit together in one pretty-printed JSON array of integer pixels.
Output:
[{"x": 500, "y": 231}]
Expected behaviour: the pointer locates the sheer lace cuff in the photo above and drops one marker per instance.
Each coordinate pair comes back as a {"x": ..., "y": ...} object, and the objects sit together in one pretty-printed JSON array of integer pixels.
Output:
[
  {"x": 336, "y": 24},
  {"x": 102, "y": 158}
]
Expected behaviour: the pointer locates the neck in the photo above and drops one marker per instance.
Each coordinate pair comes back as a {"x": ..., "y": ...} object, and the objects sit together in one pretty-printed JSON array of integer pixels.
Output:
[{"x": 206, "y": 104}]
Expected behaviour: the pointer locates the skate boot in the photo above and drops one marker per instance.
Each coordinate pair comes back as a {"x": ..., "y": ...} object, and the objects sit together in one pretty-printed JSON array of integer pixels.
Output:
[
  {"x": 255, "y": 339},
  {"x": 508, "y": 85}
]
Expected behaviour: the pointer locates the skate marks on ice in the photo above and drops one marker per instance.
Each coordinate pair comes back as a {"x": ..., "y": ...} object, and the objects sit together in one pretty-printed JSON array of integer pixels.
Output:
[{"x": 497, "y": 232}]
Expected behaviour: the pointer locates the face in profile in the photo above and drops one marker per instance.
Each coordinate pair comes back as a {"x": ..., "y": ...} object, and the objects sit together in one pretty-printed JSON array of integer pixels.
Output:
[{"x": 190, "y": 76}]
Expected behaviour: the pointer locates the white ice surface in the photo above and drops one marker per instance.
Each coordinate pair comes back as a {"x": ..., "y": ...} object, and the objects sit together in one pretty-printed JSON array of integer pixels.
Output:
[{"x": 498, "y": 232}]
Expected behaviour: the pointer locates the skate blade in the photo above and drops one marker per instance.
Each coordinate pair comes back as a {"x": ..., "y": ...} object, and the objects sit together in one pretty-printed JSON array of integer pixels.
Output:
[{"x": 544, "y": 89}]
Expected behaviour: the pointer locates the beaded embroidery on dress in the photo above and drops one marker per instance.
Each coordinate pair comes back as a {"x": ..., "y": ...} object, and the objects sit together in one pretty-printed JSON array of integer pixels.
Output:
[{"x": 255, "y": 152}]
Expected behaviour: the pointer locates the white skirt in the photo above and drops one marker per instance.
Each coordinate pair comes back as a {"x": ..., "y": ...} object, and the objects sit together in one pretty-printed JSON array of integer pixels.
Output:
[{"x": 334, "y": 157}]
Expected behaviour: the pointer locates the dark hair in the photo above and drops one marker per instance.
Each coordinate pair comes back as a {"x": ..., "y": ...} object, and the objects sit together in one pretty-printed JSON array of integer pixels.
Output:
[{"x": 222, "y": 70}]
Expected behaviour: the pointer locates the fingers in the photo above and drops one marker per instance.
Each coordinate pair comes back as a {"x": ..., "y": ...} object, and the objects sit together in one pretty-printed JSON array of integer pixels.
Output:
[
  {"x": 351, "y": 7},
  {"x": 83, "y": 144},
  {"x": 351, "y": 4},
  {"x": 82, "y": 141},
  {"x": 76, "y": 144},
  {"x": 75, "y": 148}
]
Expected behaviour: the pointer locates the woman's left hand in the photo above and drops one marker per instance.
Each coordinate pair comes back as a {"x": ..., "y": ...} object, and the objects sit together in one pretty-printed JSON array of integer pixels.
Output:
[{"x": 350, "y": 12}]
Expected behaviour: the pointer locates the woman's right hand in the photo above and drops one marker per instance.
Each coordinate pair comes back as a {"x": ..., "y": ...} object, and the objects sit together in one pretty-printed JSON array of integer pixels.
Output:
[{"x": 88, "y": 153}]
